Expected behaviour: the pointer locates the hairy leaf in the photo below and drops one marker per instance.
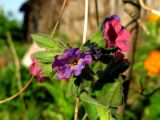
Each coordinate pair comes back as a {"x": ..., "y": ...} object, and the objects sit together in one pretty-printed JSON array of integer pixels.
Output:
[
  {"x": 46, "y": 69},
  {"x": 109, "y": 95},
  {"x": 46, "y": 56},
  {"x": 91, "y": 110},
  {"x": 46, "y": 41}
]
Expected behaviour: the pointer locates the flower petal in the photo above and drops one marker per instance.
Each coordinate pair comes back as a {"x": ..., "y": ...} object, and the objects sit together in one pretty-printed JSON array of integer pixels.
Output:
[
  {"x": 34, "y": 69},
  {"x": 122, "y": 40},
  {"x": 65, "y": 73}
]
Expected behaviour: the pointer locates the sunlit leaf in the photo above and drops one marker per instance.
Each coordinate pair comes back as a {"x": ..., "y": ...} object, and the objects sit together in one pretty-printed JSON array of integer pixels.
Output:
[
  {"x": 109, "y": 95},
  {"x": 98, "y": 38},
  {"x": 91, "y": 110},
  {"x": 46, "y": 41},
  {"x": 46, "y": 56}
]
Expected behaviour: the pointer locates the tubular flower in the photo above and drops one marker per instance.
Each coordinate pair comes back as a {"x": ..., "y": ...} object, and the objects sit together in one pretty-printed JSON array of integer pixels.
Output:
[
  {"x": 115, "y": 34},
  {"x": 152, "y": 64},
  {"x": 35, "y": 70},
  {"x": 72, "y": 62}
]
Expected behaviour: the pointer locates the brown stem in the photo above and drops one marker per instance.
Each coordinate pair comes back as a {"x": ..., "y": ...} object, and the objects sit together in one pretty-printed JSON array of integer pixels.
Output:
[
  {"x": 59, "y": 18},
  {"x": 18, "y": 93},
  {"x": 76, "y": 109},
  {"x": 144, "y": 6},
  {"x": 97, "y": 14}
]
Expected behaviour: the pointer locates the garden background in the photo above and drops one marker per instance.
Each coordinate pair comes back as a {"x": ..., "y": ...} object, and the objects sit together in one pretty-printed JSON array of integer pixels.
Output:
[{"x": 49, "y": 100}]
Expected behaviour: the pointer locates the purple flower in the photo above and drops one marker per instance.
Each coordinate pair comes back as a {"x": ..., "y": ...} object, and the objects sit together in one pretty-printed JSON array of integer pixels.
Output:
[
  {"x": 35, "y": 70},
  {"x": 72, "y": 62},
  {"x": 115, "y": 34}
]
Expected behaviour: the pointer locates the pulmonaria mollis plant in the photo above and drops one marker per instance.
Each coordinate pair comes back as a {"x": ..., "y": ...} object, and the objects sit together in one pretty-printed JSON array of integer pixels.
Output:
[{"x": 94, "y": 70}]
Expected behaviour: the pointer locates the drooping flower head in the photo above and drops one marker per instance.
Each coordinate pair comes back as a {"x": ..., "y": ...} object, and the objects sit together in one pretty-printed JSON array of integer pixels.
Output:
[
  {"x": 115, "y": 34},
  {"x": 35, "y": 70},
  {"x": 72, "y": 62}
]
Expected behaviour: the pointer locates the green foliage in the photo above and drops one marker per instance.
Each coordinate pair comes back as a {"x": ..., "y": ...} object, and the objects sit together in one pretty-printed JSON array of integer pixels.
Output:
[
  {"x": 60, "y": 97},
  {"x": 11, "y": 25},
  {"x": 109, "y": 96},
  {"x": 46, "y": 41},
  {"x": 144, "y": 107},
  {"x": 45, "y": 57},
  {"x": 91, "y": 110},
  {"x": 98, "y": 38},
  {"x": 41, "y": 101},
  {"x": 52, "y": 47}
]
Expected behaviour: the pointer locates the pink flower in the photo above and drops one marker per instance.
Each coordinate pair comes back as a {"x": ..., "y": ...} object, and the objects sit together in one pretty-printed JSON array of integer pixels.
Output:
[
  {"x": 115, "y": 34},
  {"x": 35, "y": 70}
]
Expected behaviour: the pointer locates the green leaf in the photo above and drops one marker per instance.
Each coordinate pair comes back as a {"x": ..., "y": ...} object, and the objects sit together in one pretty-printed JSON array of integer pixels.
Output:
[
  {"x": 104, "y": 113},
  {"x": 101, "y": 43},
  {"x": 46, "y": 41},
  {"x": 46, "y": 56},
  {"x": 98, "y": 38},
  {"x": 72, "y": 89},
  {"x": 109, "y": 95},
  {"x": 91, "y": 110},
  {"x": 46, "y": 69}
]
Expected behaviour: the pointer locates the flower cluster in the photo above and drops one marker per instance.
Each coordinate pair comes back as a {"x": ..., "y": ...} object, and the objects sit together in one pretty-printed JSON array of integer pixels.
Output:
[
  {"x": 152, "y": 64},
  {"x": 115, "y": 34},
  {"x": 73, "y": 60}
]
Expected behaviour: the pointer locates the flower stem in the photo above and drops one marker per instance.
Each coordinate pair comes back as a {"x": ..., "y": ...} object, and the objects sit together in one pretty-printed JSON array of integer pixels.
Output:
[
  {"x": 97, "y": 15},
  {"x": 85, "y": 21},
  {"x": 18, "y": 93},
  {"x": 59, "y": 18},
  {"x": 16, "y": 60},
  {"x": 148, "y": 8},
  {"x": 76, "y": 109}
]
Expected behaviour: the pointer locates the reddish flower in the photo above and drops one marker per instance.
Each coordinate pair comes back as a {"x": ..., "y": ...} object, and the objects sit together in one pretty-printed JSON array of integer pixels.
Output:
[
  {"x": 35, "y": 70},
  {"x": 115, "y": 34}
]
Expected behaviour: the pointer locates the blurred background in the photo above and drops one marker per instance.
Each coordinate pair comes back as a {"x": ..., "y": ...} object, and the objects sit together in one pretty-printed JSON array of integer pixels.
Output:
[{"x": 49, "y": 100}]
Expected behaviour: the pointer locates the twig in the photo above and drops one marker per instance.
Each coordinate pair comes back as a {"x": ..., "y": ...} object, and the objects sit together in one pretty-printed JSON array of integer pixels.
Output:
[
  {"x": 18, "y": 93},
  {"x": 76, "y": 109},
  {"x": 16, "y": 60},
  {"x": 85, "y": 21},
  {"x": 97, "y": 15},
  {"x": 148, "y": 8},
  {"x": 59, "y": 18}
]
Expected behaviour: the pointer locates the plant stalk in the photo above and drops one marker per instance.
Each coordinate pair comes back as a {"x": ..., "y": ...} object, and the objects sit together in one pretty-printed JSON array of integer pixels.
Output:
[
  {"x": 76, "y": 109},
  {"x": 59, "y": 18}
]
